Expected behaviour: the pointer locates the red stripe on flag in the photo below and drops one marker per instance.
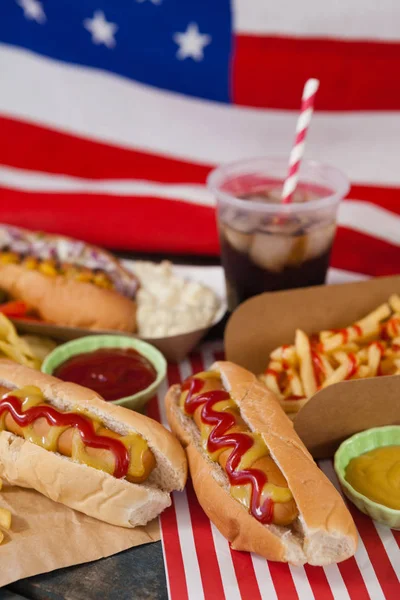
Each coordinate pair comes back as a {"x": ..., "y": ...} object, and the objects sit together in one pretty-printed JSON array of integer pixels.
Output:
[
  {"x": 355, "y": 75},
  {"x": 361, "y": 253},
  {"x": 30, "y": 146},
  {"x": 377, "y": 554},
  {"x": 319, "y": 583},
  {"x": 353, "y": 579},
  {"x": 283, "y": 581},
  {"x": 161, "y": 225},
  {"x": 205, "y": 549},
  {"x": 135, "y": 223},
  {"x": 385, "y": 197}
]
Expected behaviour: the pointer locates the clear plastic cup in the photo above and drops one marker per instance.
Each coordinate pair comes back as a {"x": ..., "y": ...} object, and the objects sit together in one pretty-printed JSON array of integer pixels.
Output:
[{"x": 267, "y": 245}]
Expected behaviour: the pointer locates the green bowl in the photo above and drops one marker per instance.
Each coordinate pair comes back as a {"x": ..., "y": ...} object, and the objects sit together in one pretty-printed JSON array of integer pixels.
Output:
[
  {"x": 355, "y": 446},
  {"x": 94, "y": 342}
]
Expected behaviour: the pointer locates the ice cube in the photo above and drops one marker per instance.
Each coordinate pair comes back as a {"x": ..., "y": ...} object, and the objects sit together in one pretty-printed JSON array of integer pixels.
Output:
[
  {"x": 271, "y": 252},
  {"x": 318, "y": 240},
  {"x": 282, "y": 224},
  {"x": 239, "y": 240}
]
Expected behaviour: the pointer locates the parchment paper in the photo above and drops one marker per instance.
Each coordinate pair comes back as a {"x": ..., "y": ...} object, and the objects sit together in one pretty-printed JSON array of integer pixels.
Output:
[{"x": 45, "y": 536}]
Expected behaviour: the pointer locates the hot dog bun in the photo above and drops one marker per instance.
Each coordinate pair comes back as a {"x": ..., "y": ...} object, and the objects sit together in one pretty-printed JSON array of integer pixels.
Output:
[
  {"x": 324, "y": 532},
  {"x": 78, "y": 486},
  {"x": 67, "y": 302}
]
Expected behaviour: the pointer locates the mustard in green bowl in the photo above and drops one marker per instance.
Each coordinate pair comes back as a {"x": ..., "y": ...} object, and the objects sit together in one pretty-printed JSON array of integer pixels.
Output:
[{"x": 356, "y": 446}]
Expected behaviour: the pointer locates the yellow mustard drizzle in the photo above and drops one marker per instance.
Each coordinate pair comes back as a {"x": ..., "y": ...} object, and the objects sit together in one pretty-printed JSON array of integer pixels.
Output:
[
  {"x": 137, "y": 446},
  {"x": 275, "y": 492},
  {"x": 258, "y": 450},
  {"x": 32, "y": 396}
]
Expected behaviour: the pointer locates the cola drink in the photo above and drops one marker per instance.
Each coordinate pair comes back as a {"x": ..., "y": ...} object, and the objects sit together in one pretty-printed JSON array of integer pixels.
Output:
[{"x": 267, "y": 246}]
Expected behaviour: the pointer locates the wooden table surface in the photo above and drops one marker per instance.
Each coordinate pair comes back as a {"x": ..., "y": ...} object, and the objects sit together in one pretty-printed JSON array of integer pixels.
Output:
[{"x": 136, "y": 574}]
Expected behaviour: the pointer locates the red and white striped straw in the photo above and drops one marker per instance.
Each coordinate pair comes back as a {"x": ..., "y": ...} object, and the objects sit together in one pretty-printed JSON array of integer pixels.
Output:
[{"x": 303, "y": 123}]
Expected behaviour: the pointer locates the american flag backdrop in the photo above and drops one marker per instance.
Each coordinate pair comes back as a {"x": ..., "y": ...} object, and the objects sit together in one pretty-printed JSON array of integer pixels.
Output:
[{"x": 112, "y": 113}]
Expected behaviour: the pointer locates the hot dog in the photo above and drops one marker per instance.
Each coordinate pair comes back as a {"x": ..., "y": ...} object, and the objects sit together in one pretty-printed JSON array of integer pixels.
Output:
[
  {"x": 252, "y": 475},
  {"x": 66, "y": 281},
  {"x": 67, "y": 443}
]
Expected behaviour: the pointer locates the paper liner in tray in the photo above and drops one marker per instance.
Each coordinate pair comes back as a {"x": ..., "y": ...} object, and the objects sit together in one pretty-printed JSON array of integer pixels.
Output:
[
  {"x": 45, "y": 536},
  {"x": 333, "y": 414},
  {"x": 175, "y": 348}
]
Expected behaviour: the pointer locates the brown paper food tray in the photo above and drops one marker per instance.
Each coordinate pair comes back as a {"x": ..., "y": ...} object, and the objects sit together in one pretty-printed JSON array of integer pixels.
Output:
[
  {"x": 333, "y": 414},
  {"x": 175, "y": 348}
]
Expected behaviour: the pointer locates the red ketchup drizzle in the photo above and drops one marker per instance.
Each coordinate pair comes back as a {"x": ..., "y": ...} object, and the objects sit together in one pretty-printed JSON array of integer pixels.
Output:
[
  {"x": 319, "y": 369},
  {"x": 384, "y": 332},
  {"x": 294, "y": 397},
  {"x": 285, "y": 363},
  {"x": 381, "y": 349},
  {"x": 394, "y": 325},
  {"x": 358, "y": 330},
  {"x": 240, "y": 442},
  {"x": 83, "y": 424},
  {"x": 353, "y": 365},
  {"x": 380, "y": 346},
  {"x": 272, "y": 372}
]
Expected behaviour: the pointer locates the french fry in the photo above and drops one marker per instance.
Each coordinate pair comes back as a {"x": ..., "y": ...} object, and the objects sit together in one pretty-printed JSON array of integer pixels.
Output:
[
  {"x": 1, "y": 537},
  {"x": 26, "y": 350},
  {"x": 295, "y": 381},
  {"x": 285, "y": 353},
  {"x": 291, "y": 405},
  {"x": 338, "y": 375},
  {"x": 394, "y": 302},
  {"x": 352, "y": 347},
  {"x": 368, "y": 348},
  {"x": 392, "y": 327},
  {"x": 374, "y": 358},
  {"x": 363, "y": 329},
  {"x": 328, "y": 368},
  {"x": 270, "y": 377},
  {"x": 5, "y": 518},
  {"x": 303, "y": 349},
  {"x": 325, "y": 335}
]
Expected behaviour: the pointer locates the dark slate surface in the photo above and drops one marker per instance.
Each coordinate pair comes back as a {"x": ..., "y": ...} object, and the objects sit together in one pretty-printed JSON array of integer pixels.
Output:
[{"x": 136, "y": 574}]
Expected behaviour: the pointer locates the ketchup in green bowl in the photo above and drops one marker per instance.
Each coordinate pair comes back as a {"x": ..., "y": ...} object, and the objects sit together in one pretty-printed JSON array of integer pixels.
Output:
[{"x": 111, "y": 372}]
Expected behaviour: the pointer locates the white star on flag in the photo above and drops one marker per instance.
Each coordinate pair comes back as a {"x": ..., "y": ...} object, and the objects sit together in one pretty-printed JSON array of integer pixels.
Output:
[
  {"x": 33, "y": 10},
  {"x": 152, "y": 1},
  {"x": 191, "y": 43},
  {"x": 102, "y": 31}
]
